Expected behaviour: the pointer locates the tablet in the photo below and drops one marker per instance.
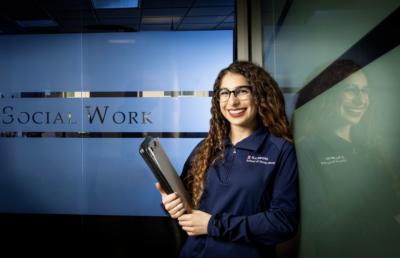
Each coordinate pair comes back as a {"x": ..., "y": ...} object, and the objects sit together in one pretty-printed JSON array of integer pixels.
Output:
[{"x": 160, "y": 165}]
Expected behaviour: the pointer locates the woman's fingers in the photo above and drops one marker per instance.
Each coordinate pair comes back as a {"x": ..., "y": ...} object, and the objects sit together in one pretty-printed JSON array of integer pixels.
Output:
[
  {"x": 174, "y": 205},
  {"x": 188, "y": 229},
  {"x": 184, "y": 223},
  {"x": 160, "y": 189},
  {"x": 171, "y": 201},
  {"x": 178, "y": 213},
  {"x": 169, "y": 198},
  {"x": 195, "y": 223},
  {"x": 177, "y": 208}
]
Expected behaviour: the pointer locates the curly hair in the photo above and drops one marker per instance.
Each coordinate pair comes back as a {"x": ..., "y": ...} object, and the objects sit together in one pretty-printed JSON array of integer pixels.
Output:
[{"x": 270, "y": 112}]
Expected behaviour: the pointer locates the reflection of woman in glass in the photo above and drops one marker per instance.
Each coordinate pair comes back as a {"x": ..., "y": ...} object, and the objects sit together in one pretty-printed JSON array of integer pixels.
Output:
[
  {"x": 348, "y": 208},
  {"x": 243, "y": 176},
  {"x": 353, "y": 102},
  {"x": 342, "y": 107}
]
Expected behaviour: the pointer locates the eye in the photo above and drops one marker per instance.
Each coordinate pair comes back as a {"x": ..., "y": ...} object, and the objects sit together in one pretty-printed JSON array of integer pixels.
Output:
[
  {"x": 351, "y": 90},
  {"x": 223, "y": 93},
  {"x": 243, "y": 91},
  {"x": 365, "y": 91}
]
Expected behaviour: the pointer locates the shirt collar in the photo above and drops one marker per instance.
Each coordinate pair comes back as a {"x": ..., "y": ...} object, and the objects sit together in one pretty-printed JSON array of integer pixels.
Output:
[{"x": 253, "y": 141}]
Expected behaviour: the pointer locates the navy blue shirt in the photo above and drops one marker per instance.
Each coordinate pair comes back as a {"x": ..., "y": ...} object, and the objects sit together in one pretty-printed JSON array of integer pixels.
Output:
[{"x": 252, "y": 195}]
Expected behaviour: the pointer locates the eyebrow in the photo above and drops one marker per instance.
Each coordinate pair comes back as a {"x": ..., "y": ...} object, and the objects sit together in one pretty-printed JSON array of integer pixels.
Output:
[
  {"x": 356, "y": 85},
  {"x": 235, "y": 87}
]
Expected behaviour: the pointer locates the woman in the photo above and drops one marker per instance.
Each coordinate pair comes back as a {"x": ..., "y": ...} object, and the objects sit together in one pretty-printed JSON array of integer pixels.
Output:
[{"x": 243, "y": 177}]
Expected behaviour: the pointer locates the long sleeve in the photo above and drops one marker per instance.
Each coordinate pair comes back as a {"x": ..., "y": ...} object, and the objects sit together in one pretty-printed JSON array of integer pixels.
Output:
[{"x": 280, "y": 219}]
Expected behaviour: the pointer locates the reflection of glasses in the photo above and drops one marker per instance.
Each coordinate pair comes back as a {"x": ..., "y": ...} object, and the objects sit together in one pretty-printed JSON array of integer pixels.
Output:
[
  {"x": 240, "y": 92},
  {"x": 353, "y": 90}
]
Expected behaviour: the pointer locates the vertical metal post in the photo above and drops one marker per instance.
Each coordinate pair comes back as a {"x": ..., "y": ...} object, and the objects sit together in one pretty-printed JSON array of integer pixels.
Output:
[
  {"x": 256, "y": 33},
  {"x": 242, "y": 33},
  {"x": 249, "y": 31}
]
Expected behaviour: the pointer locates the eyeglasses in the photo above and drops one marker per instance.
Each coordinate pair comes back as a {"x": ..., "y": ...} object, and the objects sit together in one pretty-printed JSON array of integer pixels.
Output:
[
  {"x": 240, "y": 92},
  {"x": 354, "y": 90}
]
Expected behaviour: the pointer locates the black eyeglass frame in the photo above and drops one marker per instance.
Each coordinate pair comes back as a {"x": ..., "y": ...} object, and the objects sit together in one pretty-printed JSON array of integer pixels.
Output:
[{"x": 235, "y": 91}]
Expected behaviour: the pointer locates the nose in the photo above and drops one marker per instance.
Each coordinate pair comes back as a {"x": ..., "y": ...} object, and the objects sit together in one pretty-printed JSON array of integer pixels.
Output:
[
  {"x": 233, "y": 99},
  {"x": 360, "y": 98}
]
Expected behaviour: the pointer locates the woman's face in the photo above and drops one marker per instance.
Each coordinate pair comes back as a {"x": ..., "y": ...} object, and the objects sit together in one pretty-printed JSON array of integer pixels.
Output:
[
  {"x": 354, "y": 98},
  {"x": 239, "y": 110}
]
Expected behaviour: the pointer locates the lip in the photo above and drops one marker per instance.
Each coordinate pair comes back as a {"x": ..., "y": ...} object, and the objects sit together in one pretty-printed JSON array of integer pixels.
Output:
[
  {"x": 355, "y": 111},
  {"x": 237, "y": 112}
]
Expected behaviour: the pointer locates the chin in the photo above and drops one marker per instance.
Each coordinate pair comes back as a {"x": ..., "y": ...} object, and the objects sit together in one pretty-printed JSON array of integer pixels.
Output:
[
  {"x": 239, "y": 123},
  {"x": 352, "y": 117},
  {"x": 353, "y": 120}
]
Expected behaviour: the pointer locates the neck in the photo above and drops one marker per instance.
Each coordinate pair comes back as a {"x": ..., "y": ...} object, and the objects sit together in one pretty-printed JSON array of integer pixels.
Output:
[
  {"x": 344, "y": 132},
  {"x": 239, "y": 133}
]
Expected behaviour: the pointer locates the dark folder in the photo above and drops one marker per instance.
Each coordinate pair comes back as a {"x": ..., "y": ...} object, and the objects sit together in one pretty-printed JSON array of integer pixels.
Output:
[{"x": 162, "y": 168}]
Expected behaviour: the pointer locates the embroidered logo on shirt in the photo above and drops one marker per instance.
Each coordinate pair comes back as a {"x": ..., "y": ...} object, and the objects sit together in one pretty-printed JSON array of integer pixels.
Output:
[
  {"x": 333, "y": 159},
  {"x": 259, "y": 159}
]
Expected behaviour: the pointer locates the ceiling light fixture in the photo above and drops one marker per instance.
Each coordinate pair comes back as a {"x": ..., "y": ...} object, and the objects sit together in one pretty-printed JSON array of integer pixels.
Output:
[{"x": 114, "y": 4}]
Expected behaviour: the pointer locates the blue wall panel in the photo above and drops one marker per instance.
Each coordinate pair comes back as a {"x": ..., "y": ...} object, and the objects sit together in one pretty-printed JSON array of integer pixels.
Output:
[{"x": 46, "y": 167}]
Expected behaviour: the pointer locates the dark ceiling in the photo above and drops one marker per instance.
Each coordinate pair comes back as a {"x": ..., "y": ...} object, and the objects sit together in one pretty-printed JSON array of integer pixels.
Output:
[{"x": 76, "y": 16}]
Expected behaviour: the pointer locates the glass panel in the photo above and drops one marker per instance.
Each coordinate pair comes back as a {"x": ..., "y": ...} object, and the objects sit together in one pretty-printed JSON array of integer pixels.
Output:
[
  {"x": 118, "y": 182},
  {"x": 350, "y": 181},
  {"x": 75, "y": 107},
  {"x": 337, "y": 63},
  {"x": 40, "y": 173}
]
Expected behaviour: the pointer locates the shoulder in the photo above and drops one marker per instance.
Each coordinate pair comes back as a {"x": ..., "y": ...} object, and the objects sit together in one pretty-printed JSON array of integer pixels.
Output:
[
  {"x": 278, "y": 143},
  {"x": 278, "y": 149},
  {"x": 193, "y": 152},
  {"x": 196, "y": 147}
]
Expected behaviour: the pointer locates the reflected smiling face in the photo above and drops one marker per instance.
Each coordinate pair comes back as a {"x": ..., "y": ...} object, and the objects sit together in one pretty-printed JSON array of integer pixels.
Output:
[
  {"x": 239, "y": 112},
  {"x": 354, "y": 98}
]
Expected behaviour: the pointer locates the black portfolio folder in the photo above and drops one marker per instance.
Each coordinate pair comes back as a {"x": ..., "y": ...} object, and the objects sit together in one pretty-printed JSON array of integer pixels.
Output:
[{"x": 162, "y": 168}]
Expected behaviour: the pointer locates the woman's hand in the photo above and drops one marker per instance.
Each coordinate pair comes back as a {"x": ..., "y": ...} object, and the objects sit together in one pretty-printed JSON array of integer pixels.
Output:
[
  {"x": 173, "y": 204},
  {"x": 195, "y": 223}
]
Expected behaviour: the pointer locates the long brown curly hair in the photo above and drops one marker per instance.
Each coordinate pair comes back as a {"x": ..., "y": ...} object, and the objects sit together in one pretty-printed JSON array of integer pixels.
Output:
[{"x": 270, "y": 112}]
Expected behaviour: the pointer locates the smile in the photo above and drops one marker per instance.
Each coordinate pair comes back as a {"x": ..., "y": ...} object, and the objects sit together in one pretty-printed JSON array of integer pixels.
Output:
[
  {"x": 355, "y": 111},
  {"x": 237, "y": 112}
]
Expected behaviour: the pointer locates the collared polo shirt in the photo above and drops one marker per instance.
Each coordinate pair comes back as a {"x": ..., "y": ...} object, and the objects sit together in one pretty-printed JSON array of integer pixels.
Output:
[{"x": 252, "y": 195}]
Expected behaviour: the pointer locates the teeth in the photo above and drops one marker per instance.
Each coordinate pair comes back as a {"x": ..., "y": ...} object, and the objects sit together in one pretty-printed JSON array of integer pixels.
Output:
[
  {"x": 236, "y": 111},
  {"x": 356, "y": 110}
]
